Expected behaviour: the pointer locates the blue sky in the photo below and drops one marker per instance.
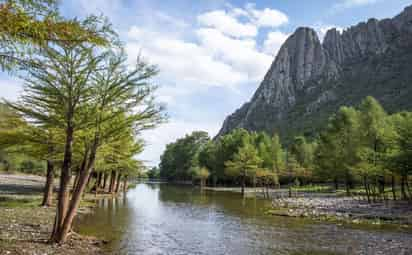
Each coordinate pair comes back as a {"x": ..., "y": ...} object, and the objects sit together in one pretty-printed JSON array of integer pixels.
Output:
[{"x": 211, "y": 54}]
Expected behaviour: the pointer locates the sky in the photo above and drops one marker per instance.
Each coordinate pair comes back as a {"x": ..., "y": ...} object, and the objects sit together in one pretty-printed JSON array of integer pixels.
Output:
[{"x": 211, "y": 54}]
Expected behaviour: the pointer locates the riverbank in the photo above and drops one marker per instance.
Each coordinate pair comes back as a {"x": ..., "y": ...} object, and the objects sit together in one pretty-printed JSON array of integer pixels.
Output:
[
  {"x": 25, "y": 227},
  {"x": 325, "y": 205},
  {"x": 344, "y": 209}
]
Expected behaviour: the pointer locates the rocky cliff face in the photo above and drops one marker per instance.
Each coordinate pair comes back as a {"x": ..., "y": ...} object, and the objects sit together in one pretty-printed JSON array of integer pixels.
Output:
[{"x": 309, "y": 80}]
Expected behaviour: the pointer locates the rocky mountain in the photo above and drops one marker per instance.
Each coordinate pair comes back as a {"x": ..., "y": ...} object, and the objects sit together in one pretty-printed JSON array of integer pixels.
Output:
[{"x": 310, "y": 79}]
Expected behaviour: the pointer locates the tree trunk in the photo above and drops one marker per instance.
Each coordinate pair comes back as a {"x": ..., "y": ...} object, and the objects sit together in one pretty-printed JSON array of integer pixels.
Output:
[
  {"x": 112, "y": 181},
  {"x": 48, "y": 189},
  {"x": 85, "y": 172},
  {"x": 348, "y": 184},
  {"x": 408, "y": 188},
  {"x": 381, "y": 186},
  {"x": 243, "y": 184},
  {"x": 374, "y": 193},
  {"x": 347, "y": 188},
  {"x": 365, "y": 184},
  {"x": 99, "y": 180},
  {"x": 105, "y": 181},
  {"x": 335, "y": 181},
  {"x": 64, "y": 190},
  {"x": 393, "y": 187},
  {"x": 118, "y": 183},
  {"x": 89, "y": 179},
  {"x": 125, "y": 184},
  {"x": 76, "y": 179}
]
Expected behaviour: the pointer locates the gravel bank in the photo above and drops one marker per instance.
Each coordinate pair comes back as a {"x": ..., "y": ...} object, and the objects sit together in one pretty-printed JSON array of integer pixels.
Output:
[{"x": 344, "y": 208}]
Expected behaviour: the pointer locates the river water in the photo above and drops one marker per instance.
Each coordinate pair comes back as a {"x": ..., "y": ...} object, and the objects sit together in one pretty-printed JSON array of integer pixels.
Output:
[{"x": 167, "y": 219}]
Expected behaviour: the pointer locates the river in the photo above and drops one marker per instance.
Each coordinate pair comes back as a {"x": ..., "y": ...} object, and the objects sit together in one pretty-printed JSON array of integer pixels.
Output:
[{"x": 168, "y": 219}]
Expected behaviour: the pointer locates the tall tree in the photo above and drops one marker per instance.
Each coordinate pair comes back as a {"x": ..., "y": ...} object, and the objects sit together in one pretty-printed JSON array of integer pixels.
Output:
[
  {"x": 376, "y": 133},
  {"x": 81, "y": 88},
  {"x": 181, "y": 156},
  {"x": 401, "y": 158},
  {"x": 336, "y": 153},
  {"x": 244, "y": 164}
]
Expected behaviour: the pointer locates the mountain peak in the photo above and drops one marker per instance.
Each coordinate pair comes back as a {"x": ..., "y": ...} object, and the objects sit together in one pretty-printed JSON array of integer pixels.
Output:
[{"x": 309, "y": 79}]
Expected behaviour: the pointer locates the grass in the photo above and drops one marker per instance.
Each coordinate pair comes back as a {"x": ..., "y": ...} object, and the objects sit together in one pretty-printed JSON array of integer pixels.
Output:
[
  {"x": 357, "y": 191},
  {"x": 314, "y": 188},
  {"x": 14, "y": 202},
  {"x": 7, "y": 201}
]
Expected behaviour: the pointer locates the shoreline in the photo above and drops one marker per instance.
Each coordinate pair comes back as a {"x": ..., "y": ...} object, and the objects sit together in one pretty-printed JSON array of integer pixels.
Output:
[
  {"x": 347, "y": 210},
  {"x": 332, "y": 207},
  {"x": 25, "y": 226}
]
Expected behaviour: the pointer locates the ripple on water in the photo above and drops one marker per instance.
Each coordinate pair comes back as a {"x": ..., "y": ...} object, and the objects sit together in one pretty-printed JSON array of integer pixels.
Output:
[{"x": 167, "y": 219}]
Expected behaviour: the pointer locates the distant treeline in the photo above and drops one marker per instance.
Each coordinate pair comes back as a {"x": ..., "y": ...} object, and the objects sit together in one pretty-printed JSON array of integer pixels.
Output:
[{"x": 358, "y": 146}]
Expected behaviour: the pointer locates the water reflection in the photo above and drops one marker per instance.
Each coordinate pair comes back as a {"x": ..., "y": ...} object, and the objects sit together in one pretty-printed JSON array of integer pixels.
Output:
[{"x": 167, "y": 219}]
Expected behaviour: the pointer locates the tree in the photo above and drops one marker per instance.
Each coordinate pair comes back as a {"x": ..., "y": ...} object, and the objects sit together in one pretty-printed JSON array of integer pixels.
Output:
[
  {"x": 270, "y": 151},
  {"x": 201, "y": 174},
  {"x": 80, "y": 88},
  {"x": 376, "y": 134},
  {"x": 181, "y": 157},
  {"x": 153, "y": 173},
  {"x": 28, "y": 25},
  {"x": 401, "y": 157},
  {"x": 225, "y": 149},
  {"x": 244, "y": 164},
  {"x": 39, "y": 142},
  {"x": 336, "y": 153},
  {"x": 267, "y": 178},
  {"x": 122, "y": 101},
  {"x": 303, "y": 152},
  {"x": 54, "y": 95}
]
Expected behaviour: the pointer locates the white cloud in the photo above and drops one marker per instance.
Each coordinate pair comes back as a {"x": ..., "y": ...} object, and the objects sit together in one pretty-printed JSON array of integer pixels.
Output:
[
  {"x": 241, "y": 54},
  {"x": 181, "y": 61},
  {"x": 227, "y": 24},
  {"x": 269, "y": 17},
  {"x": 223, "y": 51},
  {"x": 347, "y": 4},
  {"x": 274, "y": 41}
]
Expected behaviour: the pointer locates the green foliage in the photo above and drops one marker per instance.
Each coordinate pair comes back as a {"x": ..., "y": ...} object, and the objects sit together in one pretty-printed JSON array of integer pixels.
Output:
[
  {"x": 181, "y": 156},
  {"x": 83, "y": 105},
  {"x": 362, "y": 145},
  {"x": 26, "y": 26},
  {"x": 18, "y": 151},
  {"x": 200, "y": 173},
  {"x": 153, "y": 173},
  {"x": 244, "y": 163},
  {"x": 222, "y": 158},
  {"x": 337, "y": 149},
  {"x": 13, "y": 202}
]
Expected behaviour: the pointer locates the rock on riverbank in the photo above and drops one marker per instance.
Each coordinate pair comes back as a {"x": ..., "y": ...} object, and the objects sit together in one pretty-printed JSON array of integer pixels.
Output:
[{"x": 347, "y": 209}]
